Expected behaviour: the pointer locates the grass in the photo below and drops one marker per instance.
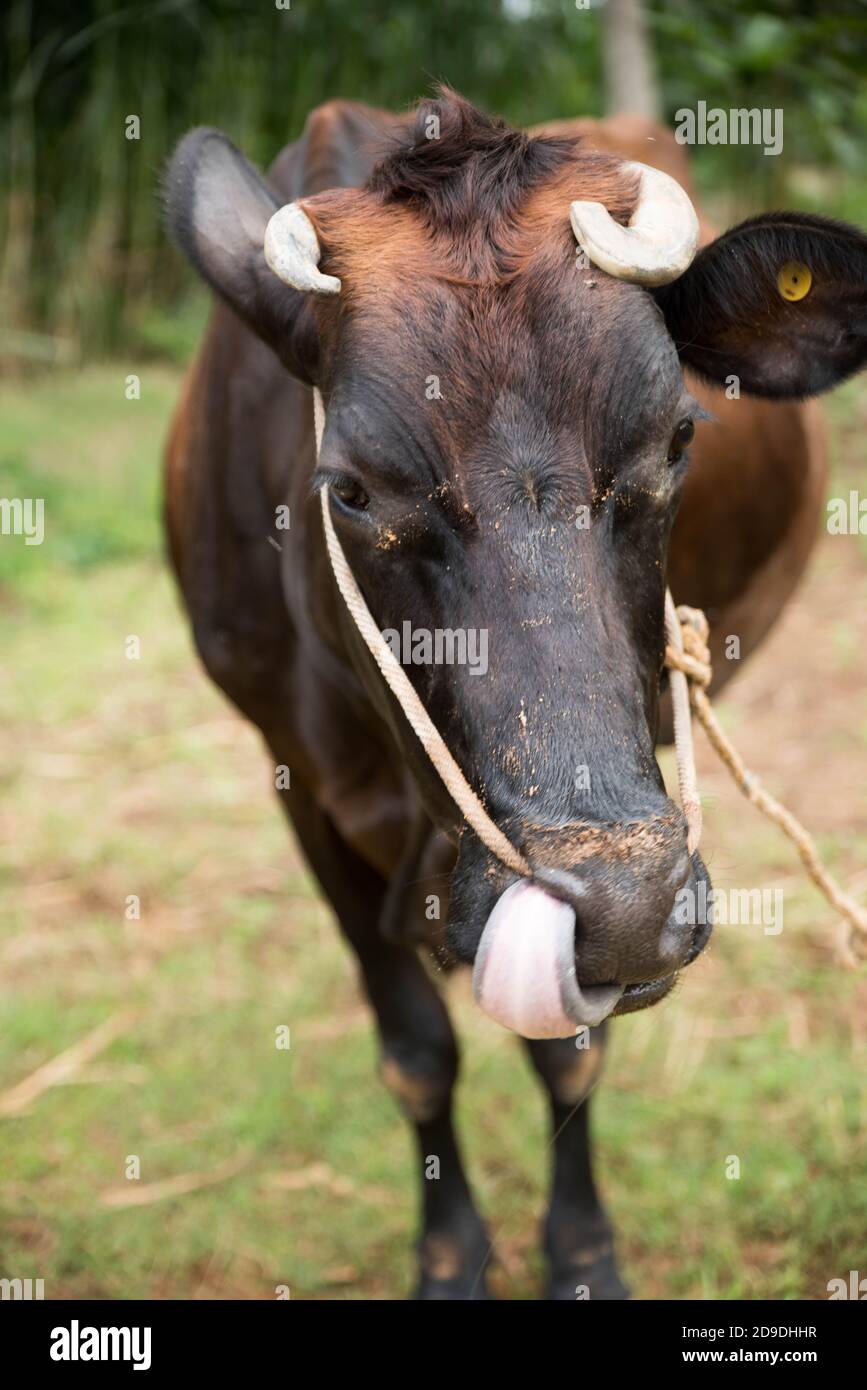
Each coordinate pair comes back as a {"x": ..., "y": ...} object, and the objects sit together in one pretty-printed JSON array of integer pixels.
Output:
[{"x": 127, "y": 778}]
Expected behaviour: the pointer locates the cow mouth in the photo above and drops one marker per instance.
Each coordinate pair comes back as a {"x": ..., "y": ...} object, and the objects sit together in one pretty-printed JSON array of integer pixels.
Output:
[
  {"x": 526, "y": 975},
  {"x": 636, "y": 997},
  {"x": 643, "y": 996}
]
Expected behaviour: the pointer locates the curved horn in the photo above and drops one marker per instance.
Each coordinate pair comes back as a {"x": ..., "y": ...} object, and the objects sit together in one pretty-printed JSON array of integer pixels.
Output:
[
  {"x": 292, "y": 251},
  {"x": 660, "y": 241}
]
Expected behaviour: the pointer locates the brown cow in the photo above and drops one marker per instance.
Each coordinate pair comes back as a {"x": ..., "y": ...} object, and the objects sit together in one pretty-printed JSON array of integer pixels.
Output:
[{"x": 487, "y": 395}]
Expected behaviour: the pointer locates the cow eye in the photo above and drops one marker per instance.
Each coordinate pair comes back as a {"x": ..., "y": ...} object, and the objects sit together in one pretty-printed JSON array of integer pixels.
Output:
[
  {"x": 680, "y": 440},
  {"x": 350, "y": 493}
]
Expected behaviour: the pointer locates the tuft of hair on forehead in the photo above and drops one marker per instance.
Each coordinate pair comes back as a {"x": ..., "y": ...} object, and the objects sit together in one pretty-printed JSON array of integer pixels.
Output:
[
  {"x": 468, "y": 184},
  {"x": 457, "y": 164}
]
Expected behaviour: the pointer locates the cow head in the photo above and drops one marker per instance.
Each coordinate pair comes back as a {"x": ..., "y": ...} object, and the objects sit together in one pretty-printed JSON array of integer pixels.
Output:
[{"x": 498, "y": 324}]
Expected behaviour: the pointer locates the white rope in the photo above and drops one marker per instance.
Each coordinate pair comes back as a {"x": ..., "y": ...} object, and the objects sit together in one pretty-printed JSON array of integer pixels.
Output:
[
  {"x": 466, "y": 800},
  {"x": 684, "y": 751}
]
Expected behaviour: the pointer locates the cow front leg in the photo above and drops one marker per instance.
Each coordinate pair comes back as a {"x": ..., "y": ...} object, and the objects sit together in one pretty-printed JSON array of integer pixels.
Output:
[
  {"x": 577, "y": 1235},
  {"x": 420, "y": 1067},
  {"x": 419, "y": 1061}
]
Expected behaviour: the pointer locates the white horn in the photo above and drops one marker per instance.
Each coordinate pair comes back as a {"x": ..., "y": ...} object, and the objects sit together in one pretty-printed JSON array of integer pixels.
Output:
[
  {"x": 292, "y": 251},
  {"x": 660, "y": 241}
]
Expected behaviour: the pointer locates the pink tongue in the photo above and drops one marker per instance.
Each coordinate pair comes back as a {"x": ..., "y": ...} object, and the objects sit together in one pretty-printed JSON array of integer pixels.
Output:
[{"x": 524, "y": 976}]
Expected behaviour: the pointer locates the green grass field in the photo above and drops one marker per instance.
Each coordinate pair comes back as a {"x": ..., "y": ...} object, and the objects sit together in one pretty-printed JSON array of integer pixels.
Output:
[{"x": 262, "y": 1167}]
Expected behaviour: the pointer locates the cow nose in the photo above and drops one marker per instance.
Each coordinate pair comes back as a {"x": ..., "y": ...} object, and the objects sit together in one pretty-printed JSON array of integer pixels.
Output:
[
  {"x": 524, "y": 974},
  {"x": 566, "y": 949},
  {"x": 627, "y": 926}
]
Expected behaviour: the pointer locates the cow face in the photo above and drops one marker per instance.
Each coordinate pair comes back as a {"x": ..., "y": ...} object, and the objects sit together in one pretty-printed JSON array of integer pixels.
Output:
[{"x": 507, "y": 437}]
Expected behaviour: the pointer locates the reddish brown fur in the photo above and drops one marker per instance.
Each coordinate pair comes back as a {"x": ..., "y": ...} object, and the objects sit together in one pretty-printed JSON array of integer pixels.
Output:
[{"x": 368, "y": 238}]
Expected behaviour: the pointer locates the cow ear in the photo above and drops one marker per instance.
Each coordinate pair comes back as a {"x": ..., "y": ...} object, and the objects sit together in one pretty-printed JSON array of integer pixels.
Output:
[
  {"x": 217, "y": 207},
  {"x": 780, "y": 302}
]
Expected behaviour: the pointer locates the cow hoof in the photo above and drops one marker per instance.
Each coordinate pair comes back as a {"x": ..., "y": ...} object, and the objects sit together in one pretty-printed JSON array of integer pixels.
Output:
[{"x": 454, "y": 1265}]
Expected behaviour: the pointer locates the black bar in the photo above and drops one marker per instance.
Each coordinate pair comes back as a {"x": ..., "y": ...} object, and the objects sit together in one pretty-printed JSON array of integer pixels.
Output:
[{"x": 253, "y": 1338}]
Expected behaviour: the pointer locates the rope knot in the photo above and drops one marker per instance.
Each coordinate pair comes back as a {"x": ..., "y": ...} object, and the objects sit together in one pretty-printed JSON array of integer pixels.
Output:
[{"x": 693, "y": 658}]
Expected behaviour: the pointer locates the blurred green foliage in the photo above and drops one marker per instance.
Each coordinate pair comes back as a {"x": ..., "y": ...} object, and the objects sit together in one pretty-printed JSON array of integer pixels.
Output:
[{"x": 84, "y": 257}]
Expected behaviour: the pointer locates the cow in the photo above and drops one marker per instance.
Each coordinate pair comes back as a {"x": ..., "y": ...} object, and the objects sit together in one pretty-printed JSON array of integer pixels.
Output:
[{"x": 514, "y": 336}]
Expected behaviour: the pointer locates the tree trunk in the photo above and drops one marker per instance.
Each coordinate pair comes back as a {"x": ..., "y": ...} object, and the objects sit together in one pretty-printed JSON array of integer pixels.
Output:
[{"x": 630, "y": 78}]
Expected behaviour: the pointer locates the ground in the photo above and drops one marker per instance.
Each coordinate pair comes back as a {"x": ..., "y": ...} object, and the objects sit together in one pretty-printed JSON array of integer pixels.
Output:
[{"x": 263, "y": 1166}]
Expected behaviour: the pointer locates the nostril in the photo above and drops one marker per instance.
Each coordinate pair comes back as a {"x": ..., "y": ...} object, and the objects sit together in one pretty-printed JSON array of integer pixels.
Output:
[
  {"x": 674, "y": 943},
  {"x": 680, "y": 873},
  {"x": 701, "y": 936},
  {"x": 560, "y": 883}
]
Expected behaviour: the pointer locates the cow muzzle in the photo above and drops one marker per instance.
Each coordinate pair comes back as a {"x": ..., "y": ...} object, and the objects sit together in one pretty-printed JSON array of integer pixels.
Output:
[{"x": 561, "y": 951}]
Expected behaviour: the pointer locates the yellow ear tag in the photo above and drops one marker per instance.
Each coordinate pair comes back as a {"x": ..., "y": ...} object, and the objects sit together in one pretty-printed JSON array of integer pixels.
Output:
[{"x": 794, "y": 280}]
